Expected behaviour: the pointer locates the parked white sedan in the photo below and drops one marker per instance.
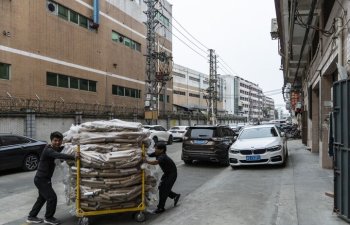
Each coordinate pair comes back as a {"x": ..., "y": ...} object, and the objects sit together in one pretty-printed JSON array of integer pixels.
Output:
[
  {"x": 178, "y": 132},
  {"x": 264, "y": 144},
  {"x": 159, "y": 133}
]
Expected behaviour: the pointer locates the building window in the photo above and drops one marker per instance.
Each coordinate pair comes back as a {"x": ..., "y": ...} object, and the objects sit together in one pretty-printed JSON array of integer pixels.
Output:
[
  {"x": 92, "y": 85},
  {"x": 73, "y": 17},
  {"x": 168, "y": 99},
  {"x": 4, "y": 71},
  {"x": 83, "y": 21},
  {"x": 194, "y": 95},
  {"x": 179, "y": 92},
  {"x": 163, "y": 19},
  {"x": 119, "y": 38},
  {"x": 63, "y": 81},
  {"x": 124, "y": 91},
  {"x": 84, "y": 84},
  {"x": 63, "y": 12},
  {"x": 74, "y": 83},
  {"x": 161, "y": 98},
  {"x": 194, "y": 79},
  {"x": 179, "y": 75},
  {"x": 51, "y": 79},
  {"x": 68, "y": 14},
  {"x": 60, "y": 80}
]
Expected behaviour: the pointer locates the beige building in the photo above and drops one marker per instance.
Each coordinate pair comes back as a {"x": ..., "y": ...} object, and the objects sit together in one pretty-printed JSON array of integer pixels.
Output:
[
  {"x": 190, "y": 90},
  {"x": 53, "y": 50}
]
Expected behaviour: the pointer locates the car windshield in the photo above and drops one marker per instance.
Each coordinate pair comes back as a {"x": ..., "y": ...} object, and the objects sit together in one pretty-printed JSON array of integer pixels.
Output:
[
  {"x": 259, "y": 132},
  {"x": 202, "y": 133},
  {"x": 149, "y": 128}
]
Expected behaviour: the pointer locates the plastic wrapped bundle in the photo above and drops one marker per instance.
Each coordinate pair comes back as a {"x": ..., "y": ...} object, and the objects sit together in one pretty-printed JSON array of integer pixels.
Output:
[{"x": 111, "y": 158}]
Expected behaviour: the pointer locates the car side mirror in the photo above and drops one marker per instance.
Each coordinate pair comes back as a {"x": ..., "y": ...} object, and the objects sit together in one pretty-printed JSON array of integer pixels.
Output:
[
  {"x": 283, "y": 134},
  {"x": 234, "y": 137}
]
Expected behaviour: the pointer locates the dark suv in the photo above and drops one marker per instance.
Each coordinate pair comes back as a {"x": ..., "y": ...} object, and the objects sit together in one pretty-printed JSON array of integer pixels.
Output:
[
  {"x": 19, "y": 151},
  {"x": 207, "y": 143}
]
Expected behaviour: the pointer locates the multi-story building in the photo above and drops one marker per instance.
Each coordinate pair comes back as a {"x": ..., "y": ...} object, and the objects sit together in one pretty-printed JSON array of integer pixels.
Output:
[
  {"x": 248, "y": 99},
  {"x": 190, "y": 90},
  {"x": 314, "y": 50},
  {"x": 229, "y": 99},
  {"x": 268, "y": 108},
  {"x": 72, "y": 51}
]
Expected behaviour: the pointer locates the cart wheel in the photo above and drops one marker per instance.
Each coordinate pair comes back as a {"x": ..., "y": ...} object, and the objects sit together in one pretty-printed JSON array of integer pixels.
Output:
[
  {"x": 140, "y": 217},
  {"x": 83, "y": 221}
]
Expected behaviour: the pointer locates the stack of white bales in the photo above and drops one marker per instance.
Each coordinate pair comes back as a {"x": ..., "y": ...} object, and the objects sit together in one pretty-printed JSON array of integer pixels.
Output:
[{"x": 111, "y": 158}]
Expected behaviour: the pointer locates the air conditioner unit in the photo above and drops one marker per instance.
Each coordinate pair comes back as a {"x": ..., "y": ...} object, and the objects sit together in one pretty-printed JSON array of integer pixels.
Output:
[{"x": 52, "y": 7}]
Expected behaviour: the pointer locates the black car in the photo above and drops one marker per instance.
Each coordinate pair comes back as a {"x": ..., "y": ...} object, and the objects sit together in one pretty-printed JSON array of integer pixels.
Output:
[
  {"x": 207, "y": 143},
  {"x": 18, "y": 151}
]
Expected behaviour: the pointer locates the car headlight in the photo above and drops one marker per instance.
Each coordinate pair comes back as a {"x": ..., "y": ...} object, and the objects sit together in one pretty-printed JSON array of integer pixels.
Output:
[
  {"x": 234, "y": 151},
  {"x": 274, "y": 148}
]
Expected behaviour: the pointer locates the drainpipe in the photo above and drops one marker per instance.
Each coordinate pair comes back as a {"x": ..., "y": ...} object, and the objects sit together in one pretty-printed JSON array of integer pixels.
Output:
[
  {"x": 339, "y": 35},
  {"x": 96, "y": 15}
]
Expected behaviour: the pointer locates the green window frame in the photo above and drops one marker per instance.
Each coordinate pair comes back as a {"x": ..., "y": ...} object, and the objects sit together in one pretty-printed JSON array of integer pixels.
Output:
[
  {"x": 83, "y": 21},
  {"x": 63, "y": 12},
  {"x": 63, "y": 81},
  {"x": 138, "y": 46},
  {"x": 133, "y": 93},
  {"x": 115, "y": 36},
  {"x": 120, "y": 91},
  {"x": 51, "y": 79},
  {"x": 127, "y": 42},
  {"x": 84, "y": 84},
  {"x": 74, "y": 82},
  {"x": 92, "y": 85},
  {"x": 73, "y": 17},
  {"x": 5, "y": 71}
]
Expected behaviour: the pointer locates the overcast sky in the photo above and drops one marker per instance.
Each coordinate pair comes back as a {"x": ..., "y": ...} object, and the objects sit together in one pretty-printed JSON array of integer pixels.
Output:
[{"x": 238, "y": 31}]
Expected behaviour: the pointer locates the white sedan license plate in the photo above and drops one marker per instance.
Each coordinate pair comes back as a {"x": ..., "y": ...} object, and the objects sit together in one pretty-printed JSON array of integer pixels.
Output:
[
  {"x": 253, "y": 157},
  {"x": 200, "y": 142}
]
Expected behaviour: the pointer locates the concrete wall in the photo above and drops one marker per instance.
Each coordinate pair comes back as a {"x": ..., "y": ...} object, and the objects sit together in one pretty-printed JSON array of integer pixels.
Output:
[
  {"x": 44, "y": 126},
  {"x": 14, "y": 125}
]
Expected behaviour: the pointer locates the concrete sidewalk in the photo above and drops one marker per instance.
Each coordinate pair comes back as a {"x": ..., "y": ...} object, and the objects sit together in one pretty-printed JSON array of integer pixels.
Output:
[{"x": 300, "y": 199}]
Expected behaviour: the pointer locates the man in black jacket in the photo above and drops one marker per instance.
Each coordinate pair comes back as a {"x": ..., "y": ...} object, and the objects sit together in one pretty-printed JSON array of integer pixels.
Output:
[
  {"x": 169, "y": 177},
  {"x": 42, "y": 180}
]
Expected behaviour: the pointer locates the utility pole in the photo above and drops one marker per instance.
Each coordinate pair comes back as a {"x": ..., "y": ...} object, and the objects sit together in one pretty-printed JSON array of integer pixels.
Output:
[
  {"x": 215, "y": 97},
  {"x": 151, "y": 86},
  {"x": 158, "y": 65},
  {"x": 212, "y": 89}
]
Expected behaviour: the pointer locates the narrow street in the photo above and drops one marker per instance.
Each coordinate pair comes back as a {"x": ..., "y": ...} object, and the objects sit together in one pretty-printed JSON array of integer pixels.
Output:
[{"x": 210, "y": 195}]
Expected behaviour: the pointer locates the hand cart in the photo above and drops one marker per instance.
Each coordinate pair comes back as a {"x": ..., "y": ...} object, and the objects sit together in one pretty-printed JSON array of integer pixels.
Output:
[{"x": 84, "y": 215}]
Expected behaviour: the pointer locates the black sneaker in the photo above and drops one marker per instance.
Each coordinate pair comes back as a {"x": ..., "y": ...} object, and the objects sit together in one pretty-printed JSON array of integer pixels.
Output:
[
  {"x": 35, "y": 219},
  {"x": 52, "y": 221},
  {"x": 158, "y": 211},
  {"x": 176, "y": 199}
]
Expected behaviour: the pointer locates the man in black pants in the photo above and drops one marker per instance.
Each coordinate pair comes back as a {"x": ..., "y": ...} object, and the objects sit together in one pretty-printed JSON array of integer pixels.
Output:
[
  {"x": 42, "y": 180},
  {"x": 169, "y": 177}
]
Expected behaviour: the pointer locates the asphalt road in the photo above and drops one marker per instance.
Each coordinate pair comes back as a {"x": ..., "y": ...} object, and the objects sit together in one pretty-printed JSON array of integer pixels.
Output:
[
  {"x": 18, "y": 193},
  {"x": 210, "y": 194}
]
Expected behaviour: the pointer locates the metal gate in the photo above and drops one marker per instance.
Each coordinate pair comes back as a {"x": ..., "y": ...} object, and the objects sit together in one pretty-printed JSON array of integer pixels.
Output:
[{"x": 341, "y": 148}]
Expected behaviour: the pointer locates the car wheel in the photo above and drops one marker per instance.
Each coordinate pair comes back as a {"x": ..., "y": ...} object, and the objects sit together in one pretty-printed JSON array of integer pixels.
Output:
[
  {"x": 155, "y": 139},
  {"x": 188, "y": 161},
  {"x": 226, "y": 162},
  {"x": 234, "y": 167},
  {"x": 31, "y": 162},
  {"x": 170, "y": 140}
]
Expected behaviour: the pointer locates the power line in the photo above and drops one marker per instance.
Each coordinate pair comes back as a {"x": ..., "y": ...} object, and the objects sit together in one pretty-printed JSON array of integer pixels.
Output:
[{"x": 187, "y": 44}]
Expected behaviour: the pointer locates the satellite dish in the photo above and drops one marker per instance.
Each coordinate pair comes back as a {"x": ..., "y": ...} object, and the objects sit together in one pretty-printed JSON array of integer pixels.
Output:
[{"x": 121, "y": 39}]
